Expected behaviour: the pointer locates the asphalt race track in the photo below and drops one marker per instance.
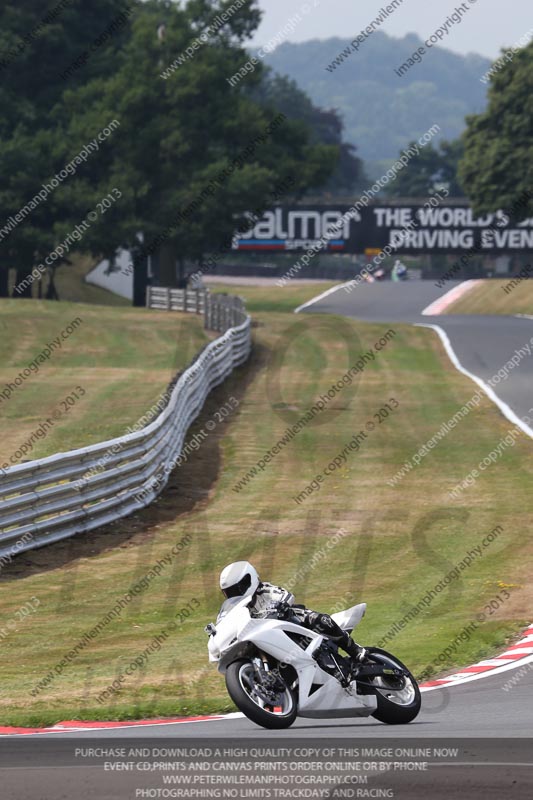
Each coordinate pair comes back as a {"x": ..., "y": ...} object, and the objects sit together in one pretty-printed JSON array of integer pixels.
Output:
[
  {"x": 478, "y": 708},
  {"x": 483, "y": 344},
  {"x": 487, "y": 727}
]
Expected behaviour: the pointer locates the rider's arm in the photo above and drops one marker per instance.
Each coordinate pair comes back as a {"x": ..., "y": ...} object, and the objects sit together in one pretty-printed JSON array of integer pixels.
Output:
[
  {"x": 267, "y": 594},
  {"x": 277, "y": 594}
]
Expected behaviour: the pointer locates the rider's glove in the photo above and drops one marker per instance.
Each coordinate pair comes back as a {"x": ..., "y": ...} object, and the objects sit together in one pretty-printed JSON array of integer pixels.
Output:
[
  {"x": 284, "y": 610},
  {"x": 281, "y": 610}
]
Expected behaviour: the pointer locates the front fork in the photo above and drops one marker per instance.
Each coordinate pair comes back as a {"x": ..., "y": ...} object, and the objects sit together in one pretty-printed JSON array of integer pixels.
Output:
[
  {"x": 265, "y": 676},
  {"x": 261, "y": 668}
]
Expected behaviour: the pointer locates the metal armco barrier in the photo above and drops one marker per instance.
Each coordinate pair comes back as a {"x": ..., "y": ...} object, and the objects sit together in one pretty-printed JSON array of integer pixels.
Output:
[
  {"x": 220, "y": 311},
  {"x": 53, "y": 498},
  {"x": 163, "y": 299}
]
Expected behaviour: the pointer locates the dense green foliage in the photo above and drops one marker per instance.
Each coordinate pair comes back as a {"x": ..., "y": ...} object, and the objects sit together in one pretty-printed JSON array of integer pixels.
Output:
[
  {"x": 497, "y": 168},
  {"x": 189, "y": 155},
  {"x": 34, "y": 144},
  {"x": 432, "y": 168},
  {"x": 326, "y": 126}
]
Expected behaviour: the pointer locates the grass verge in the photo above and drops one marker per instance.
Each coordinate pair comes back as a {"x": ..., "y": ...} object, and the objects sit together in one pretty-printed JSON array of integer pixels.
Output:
[
  {"x": 271, "y": 298},
  {"x": 353, "y": 539},
  {"x": 496, "y": 297},
  {"x": 71, "y": 286},
  {"x": 114, "y": 363}
]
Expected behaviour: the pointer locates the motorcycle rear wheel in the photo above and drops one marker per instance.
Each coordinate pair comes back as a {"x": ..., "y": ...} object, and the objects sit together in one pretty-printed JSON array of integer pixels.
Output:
[
  {"x": 240, "y": 681},
  {"x": 396, "y": 706}
]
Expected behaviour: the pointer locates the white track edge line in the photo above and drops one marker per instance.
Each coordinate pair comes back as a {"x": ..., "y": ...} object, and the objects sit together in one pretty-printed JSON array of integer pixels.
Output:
[
  {"x": 184, "y": 721},
  {"x": 508, "y": 414},
  {"x": 478, "y": 675},
  {"x": 320, "y": 296},
  {"x": 506, "y": 410}
]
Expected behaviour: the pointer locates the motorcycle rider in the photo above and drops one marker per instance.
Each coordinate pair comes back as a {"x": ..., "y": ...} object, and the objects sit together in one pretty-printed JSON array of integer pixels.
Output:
[
  {"x": 241, "y": 579},
  {"x": 399, "y": 271}
]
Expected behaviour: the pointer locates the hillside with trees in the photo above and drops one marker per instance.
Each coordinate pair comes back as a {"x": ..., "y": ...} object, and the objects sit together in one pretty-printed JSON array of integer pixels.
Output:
[{"x": 382, "y": 112}]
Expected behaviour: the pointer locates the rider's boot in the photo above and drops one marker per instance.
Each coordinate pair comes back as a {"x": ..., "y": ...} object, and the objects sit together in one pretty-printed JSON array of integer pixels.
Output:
[{"x": 355, "y": 652}]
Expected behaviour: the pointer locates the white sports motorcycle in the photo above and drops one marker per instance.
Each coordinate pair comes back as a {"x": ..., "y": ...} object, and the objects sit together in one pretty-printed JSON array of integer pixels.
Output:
[{"x": 277, "y": 670}]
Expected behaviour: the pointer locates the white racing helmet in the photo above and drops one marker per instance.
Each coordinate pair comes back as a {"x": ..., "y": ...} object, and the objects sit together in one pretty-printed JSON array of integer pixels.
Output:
[{"x": 239, "y": 579}]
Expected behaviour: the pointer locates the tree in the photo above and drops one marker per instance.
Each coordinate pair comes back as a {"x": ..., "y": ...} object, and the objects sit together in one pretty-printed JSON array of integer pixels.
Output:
[
  {"x": 431, "y": 168},
  {"x": 497, "y": 167},
  {"x": 192, "y": 154},
  {"x": 36, "y": 47},
  {"x": 326, "y": 127},
  {"x": 189, "y": 156}
]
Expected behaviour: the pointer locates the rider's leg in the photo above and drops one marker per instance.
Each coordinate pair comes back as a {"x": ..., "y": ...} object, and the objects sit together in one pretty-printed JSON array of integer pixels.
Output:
[{"x": 324, "y": 624}]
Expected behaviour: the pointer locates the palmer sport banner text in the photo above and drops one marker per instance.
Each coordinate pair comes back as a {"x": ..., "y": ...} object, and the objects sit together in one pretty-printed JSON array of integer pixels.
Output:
[{"x": 444, "y": 229}]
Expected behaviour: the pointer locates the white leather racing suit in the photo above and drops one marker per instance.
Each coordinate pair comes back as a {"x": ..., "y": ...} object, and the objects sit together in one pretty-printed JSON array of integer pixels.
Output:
[{"x": 267, "y": 594}]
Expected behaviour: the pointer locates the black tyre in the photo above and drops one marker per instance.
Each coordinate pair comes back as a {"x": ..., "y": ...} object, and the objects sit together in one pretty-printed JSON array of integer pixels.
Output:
[
  {"x": 240, "y": 682},
  {"x": 399, "y": 700}
]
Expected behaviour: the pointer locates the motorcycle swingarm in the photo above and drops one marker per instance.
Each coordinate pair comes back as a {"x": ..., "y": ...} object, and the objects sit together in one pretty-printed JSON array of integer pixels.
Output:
[
  {"x": 378, "y": 670},
  {"x": 374, "y": 670}
]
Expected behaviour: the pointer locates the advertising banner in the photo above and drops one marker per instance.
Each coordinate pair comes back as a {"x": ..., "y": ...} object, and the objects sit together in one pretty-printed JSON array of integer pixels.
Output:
[{"x": 411, "y": 229}]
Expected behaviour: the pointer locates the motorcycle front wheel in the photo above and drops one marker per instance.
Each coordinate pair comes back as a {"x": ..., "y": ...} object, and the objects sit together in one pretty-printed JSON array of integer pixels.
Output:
[
  {"x": 399, "y": 699},
  {"x": 242, "y": 688}
]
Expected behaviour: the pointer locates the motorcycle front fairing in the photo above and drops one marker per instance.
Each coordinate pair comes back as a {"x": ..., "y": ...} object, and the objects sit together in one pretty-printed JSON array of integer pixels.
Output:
[
  {"x": 320, "y": 694},
  {"x": 233, "y": 615},
  {"x": 237, "y": 632}
]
